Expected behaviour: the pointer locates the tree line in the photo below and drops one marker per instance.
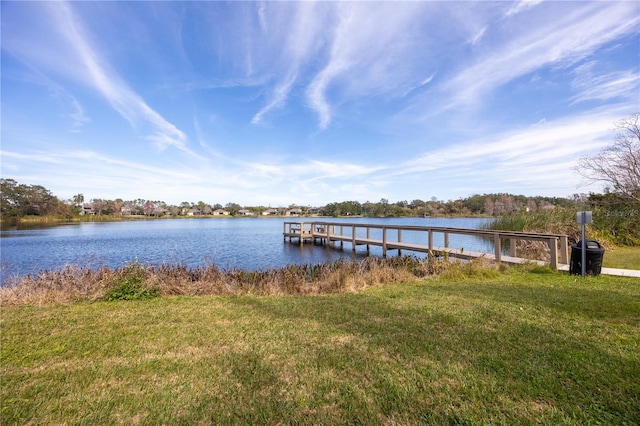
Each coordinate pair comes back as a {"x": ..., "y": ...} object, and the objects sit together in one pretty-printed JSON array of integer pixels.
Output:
[{"x": 20, "y": 200}]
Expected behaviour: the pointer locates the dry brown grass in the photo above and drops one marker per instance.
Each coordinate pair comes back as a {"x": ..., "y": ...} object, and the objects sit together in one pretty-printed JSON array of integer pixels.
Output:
[{"x": 75, "y": 283}]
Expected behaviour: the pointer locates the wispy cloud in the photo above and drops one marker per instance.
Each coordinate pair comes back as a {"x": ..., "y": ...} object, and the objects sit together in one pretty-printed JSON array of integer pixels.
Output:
[
  {"x": 311, "y": 102},
  {"x": 478, "y": 36},
  {"x": 124, "y": 100},
  {"x": 592, "y": 85},
  {"x": 571, "y": 36},
  {"x": 521, "y": 5},
  {"x": 530, "y": 156},
  {"x": 300, "y": 32},
  {"x": 69, "y": 51}
]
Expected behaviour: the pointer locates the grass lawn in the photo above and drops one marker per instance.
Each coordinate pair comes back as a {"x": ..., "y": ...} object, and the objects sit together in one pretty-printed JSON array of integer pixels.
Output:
[
  {"x": 518, "y": 348},
  {"x": 622, "y": 257}
]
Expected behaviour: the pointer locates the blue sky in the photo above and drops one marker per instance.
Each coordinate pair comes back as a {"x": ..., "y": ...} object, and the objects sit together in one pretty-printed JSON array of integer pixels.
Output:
[{"x": 274, "y": 103}]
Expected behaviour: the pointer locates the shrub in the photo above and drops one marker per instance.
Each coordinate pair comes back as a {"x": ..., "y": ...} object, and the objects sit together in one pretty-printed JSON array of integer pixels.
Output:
[{"x": 131, "y": 288}]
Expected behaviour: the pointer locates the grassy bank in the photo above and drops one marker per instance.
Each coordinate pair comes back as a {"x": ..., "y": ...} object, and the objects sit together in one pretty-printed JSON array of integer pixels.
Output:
[{"x": 511, "y": 348}]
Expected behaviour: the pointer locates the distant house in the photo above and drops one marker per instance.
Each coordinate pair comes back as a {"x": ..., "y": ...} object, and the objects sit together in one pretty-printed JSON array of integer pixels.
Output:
[
  {"x": 88, "y": 209},
  {"x": 315, "y": 211},
  {"x": 161, "y": 211},
  {"x": 220, "y": 212},
  {"x": 245, "y": 212},
  {"x": 193, "y": 212},
  {"x": 270, "y": 212},
  {"x": 294, "y": 212},
  {"x": 126, "y": 209}
]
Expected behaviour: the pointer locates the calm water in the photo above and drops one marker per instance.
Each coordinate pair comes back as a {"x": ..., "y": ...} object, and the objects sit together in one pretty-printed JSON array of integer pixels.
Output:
[{"x": 230, "y": 243}]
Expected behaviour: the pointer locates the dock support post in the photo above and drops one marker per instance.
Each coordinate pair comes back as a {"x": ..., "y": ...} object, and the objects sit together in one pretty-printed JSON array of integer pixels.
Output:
[
  {"x": 564, "y": 249},
  {"x": 446, "y": 246},
  {"x": 430, "y": 240},
  {"x": 497, "y": 246},
  {"x": 384, "y": 241},
  {"x": 301, "y": 233},
  {"x": 368, "y": 235},
  {"x": 553, "y": 252},
  {"x": 512, "y": 247},
  {"x": 399, "y": 240},
  {"x": 353, "y": 238}
]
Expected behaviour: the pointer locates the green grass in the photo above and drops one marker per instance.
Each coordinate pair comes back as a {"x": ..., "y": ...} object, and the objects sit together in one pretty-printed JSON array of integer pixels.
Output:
[
  {"x": 533, "y": 347},
  {"x": 622, "y": 257}
]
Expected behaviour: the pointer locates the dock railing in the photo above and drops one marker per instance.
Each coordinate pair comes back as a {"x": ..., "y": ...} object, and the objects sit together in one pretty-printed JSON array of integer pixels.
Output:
[{"x": 360, "y": 234}]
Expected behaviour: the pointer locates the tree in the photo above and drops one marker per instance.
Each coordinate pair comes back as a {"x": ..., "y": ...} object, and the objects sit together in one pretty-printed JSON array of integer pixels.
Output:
[
  {"x": 19, "y": 200},
  {"x": 617, "y": 165},
  {"x": 149, "y": 208},
  {"x": 233, "y": 208}
]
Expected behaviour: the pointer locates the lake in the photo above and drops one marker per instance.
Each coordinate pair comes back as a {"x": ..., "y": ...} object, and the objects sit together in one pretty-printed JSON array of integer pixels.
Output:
[{"x": 242, "y": 243}]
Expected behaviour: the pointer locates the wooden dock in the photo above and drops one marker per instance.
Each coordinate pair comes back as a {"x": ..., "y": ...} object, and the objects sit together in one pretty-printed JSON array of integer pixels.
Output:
[{"x": 391, "y": 239}]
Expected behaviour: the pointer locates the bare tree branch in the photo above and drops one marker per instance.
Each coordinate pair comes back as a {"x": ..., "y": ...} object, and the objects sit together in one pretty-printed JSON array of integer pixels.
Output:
[{"x": 618, "y": 164}]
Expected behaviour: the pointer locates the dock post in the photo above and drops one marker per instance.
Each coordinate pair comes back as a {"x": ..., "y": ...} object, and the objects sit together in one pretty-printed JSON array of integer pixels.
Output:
[
  {"x": 384, "y": 241},
  {"x": 342, "y": 235},
  {"x": 284, "y": 231},
  {"x": 446, "y": 246},
  {"x": 353, "y": 238},
  {"x": 512, "y": 247},
  {"x": 368, "y": 235},
  {"x": 553, "y": 252},
  {"x": 498, "y": 248},
  {"x": 564, "y": 248},
  {"x": 399, "y": 240},
  {"x": 301, "y": 233},
  {"x": 430, "y": 240}
]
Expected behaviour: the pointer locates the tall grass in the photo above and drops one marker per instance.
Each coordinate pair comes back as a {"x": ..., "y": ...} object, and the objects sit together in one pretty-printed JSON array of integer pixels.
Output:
[
  {"x": 611, "y": 227},
  {"x": 138, "y": 280}
]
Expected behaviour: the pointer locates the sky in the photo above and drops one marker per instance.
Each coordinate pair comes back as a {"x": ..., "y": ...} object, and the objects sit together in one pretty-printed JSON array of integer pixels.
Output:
[{"x": 276, "y": 103}]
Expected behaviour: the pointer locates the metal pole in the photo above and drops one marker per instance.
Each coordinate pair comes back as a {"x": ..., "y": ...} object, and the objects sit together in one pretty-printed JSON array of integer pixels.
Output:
[{"x": 584, "y": 245}]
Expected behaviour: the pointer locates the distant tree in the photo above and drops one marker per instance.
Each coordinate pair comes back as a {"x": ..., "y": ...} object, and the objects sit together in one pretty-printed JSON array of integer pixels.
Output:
[
  {"x": 117, "y": 206},
  {"x": 617, "y": 166},
  {"x": 17, "y": 200},
  {"x": 78, "y": 199},
  {"x": 233, "y": 208},
  {"x": 100, "y": 206},
  {"x": 149, "y": 208},
  {"x": 417, "y": 203}
]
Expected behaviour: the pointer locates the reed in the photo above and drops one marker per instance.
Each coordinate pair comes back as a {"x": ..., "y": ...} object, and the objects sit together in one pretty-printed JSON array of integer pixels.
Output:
[
  {"x": 137, "y": 280},
  {"x": 610, "y": 227}
]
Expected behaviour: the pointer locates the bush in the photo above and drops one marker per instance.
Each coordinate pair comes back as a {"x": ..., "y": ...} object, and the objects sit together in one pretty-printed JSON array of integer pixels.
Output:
[{"x": 131, "y": 288}]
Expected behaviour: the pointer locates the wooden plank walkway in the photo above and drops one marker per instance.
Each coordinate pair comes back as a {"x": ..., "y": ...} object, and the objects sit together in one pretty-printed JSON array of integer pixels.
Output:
[{"x": 332, "y": 232}]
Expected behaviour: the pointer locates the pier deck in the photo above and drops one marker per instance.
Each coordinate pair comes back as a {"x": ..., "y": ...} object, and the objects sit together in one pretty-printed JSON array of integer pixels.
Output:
[{"x": 391, "y": 239}]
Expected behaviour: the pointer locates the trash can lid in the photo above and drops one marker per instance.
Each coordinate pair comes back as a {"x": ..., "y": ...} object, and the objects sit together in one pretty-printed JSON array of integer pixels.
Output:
[{"x": 591, "y": 244}]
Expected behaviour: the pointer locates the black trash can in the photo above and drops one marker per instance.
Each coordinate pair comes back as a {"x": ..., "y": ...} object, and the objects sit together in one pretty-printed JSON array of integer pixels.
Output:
[{"x": 595, "y": 253}]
